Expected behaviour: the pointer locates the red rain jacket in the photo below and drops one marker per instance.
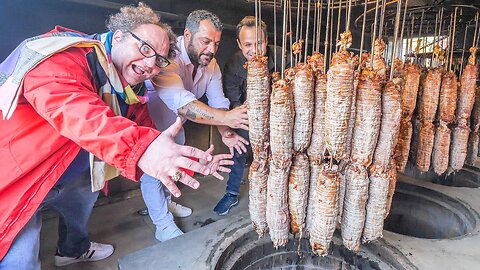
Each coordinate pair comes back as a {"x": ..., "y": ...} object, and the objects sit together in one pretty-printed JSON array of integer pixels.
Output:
[{"x": 59, "y": 112}]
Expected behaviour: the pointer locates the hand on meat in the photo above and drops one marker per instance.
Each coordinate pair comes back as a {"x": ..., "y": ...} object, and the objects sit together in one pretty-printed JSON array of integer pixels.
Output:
[{"x": 237, "y": 117}]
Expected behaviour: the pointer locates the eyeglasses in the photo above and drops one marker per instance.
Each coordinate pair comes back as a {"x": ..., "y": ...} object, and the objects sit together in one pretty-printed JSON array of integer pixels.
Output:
[{"x": 147, "y": 51}]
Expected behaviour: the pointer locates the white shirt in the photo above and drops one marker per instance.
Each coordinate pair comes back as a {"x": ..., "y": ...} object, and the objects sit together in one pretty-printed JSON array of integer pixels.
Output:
[{"x": 175, "y": 88}]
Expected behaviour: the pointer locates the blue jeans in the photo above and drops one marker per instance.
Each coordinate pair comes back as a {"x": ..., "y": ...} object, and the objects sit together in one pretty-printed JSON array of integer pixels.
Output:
[
  {"x": 239, "y": 161},
  {"x": 73, "y": 200},
  {"x": 155, "y": 196}
]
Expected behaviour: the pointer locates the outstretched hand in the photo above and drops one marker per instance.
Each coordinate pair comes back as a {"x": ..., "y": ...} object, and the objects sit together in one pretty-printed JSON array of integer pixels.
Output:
[
  {"x": 234, "y": 141},
  {"x": 218, "y": 162},
  {"x": 164, "y": 159}
]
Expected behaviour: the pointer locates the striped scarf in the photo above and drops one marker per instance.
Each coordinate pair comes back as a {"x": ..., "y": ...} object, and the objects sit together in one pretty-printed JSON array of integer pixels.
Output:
[{"x": 33, "y": 51}]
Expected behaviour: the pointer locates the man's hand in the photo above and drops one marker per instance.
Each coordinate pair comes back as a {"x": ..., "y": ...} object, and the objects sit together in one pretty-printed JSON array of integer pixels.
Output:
[
  {"x": 232, "y": 140},
  {"x": 237, "y": 117},
  {"x": 164, "y": 158},
  {"x": 218, "y": 162}
]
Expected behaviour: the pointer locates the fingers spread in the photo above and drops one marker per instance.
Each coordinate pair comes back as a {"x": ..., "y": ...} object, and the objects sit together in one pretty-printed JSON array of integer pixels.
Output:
[
  {"x": 189, "y": 181},
  {"x": 170, "y": 185},
  {"x": 194, "y": 152},
  {"x": 192, "y": 165},
  {"x": 218, "y": 176}
]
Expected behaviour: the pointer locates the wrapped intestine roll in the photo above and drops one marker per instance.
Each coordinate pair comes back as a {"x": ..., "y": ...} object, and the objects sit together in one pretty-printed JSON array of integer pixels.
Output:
[
  {"x": 441, "y": 148},
  {"x": 425, "y": 146},
  {"x": 303, "y": 97},
  {"x": 353, "y": 216},
  {"x": 298, "y": 185},
  {"x": 339, "y": 100},
  {"x": 257, "y": 204},
  {"x": 281, "y": 128},
  {"x": 325, "y": 214}
]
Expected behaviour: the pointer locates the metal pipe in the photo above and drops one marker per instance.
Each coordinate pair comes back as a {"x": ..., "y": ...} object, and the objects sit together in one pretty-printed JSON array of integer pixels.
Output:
[
  {"x": 283, "y": 36},
  {"x": 453, "y": 38},
  {"x": 395, "y": 35},
  {"x": 326, "y": 38},
  {"x": 306, "y": 32},
  {"x": 403, "y": 26},
  {"x": 338, "y": 23},
  {"x": 363, "y": 34}
]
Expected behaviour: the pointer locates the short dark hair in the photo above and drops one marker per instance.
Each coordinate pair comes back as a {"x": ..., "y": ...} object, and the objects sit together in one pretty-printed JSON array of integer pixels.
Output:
[
  {"x": 249, "y": 21},
  {"x": 196, "y": 16}
]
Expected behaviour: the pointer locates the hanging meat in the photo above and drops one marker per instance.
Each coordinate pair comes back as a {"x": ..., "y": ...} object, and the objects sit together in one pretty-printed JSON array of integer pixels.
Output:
[
  {"x": 446, "y": 115},
  {"x": 441, "y": 149},
  {"x": 402, "y": 149},
  {"x": 466, "y": 96},
  {"x": 458, "y": 148},
  {"x": 317, "y": 143},
  {"x": 392, "y": 183},
  {"x": 315, "y": 171},
  {"x": 281, "y": 128},
  {"x": 376, "y": 205},
  {"x": 410, "y": 91},
  {"x": 298, "y": 185},
  {"x": 353, "y": 217},
  {"x": 258, "y": 105},
  {"x": 425, "y": 146},
  {"x": 466, "y": 99},
  {"x": 303, "y": 97},
  {"x": 367, "y": 119},
  {"x": 257, "y": 205},
  {"x": 430, "y": 95},
  {"x": 325, "y": 214},
  {"x": 448, "y": 98},
  {"x": 389, "y": 125},
  {"x": 339, "y": 100},
  {"x": 379, "y": 64},
  {"x": 473, "y": 140}
]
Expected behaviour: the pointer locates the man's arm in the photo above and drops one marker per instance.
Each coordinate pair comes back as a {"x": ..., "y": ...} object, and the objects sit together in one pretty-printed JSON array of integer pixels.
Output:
[{"x": 201, "y": 113}]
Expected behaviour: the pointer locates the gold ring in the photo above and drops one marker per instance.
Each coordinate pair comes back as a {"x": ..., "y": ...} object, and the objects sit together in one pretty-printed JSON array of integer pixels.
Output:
[{"x": 177, "y": 176}]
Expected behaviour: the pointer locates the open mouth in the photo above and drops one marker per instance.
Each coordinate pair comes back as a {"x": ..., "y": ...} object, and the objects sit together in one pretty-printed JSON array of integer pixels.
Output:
[{"x": 138, "y": 70}]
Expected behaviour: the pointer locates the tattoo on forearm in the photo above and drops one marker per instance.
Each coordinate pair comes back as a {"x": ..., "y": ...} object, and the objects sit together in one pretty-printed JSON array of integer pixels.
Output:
[
  {"x": 194, "y": 112},
  {"x": 191, "y": 115}
]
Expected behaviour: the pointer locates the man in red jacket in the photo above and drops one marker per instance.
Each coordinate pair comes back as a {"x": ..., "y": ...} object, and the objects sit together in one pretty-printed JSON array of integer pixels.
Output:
[{"x": 64, "y": 95}]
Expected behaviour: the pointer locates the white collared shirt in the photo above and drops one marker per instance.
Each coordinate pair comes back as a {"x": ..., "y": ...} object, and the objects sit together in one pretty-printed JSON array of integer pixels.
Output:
[{"x": 175, "y": 88}]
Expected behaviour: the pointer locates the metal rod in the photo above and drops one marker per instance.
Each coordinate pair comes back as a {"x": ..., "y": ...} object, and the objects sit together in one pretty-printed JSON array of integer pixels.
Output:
[
  {"x": 275, "y": 34},
  {"x": 349, "y": 15},
  {"x": 476, "y": 27},
  {"x": 306, "y": 31},
  {"x": 395, "y": 35},
  {"x": 331, "y": 36},
  {"x": 338, "y": 23},
  {"x": 382, "y": 19},
  {"x": 363, "y": 33},
  {"x": 256, "y": 26},
  {"x": 326, "y": 38},
  {"x": 403, "y": 26},
  {"x": 463, "y": 50},
  {"x": 289, "y": 4},
  {"x": 260, "y": 22},
  {"x": 374, "y": 32},
  {"x": 319, "y": 25},
  {"x": 314, "y": 32},
  {"x": 284, "y": 36},
  {"x": 298, "y": 21},
  {"x": 453, "y": 38}
]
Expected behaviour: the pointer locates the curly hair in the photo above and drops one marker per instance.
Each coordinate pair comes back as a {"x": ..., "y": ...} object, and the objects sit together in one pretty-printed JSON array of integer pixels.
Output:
[
  {"x": 196, "y": 16},
  {"x": 131, "y": 17}
]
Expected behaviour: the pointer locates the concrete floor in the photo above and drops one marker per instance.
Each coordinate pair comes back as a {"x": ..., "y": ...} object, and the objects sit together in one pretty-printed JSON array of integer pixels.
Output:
[{"x": 119, "y": 223}]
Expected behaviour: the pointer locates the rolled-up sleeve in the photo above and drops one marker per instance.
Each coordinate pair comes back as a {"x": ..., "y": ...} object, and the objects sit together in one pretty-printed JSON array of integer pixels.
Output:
[{"x": 216, "y": 98}]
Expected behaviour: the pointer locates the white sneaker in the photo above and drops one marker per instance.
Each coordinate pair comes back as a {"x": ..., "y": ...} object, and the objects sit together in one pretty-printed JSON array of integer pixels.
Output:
[
  {"x": 167, "y": 233},
  {"x": 96, "y": 252},
  {"x": 179, "y": 210}
]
